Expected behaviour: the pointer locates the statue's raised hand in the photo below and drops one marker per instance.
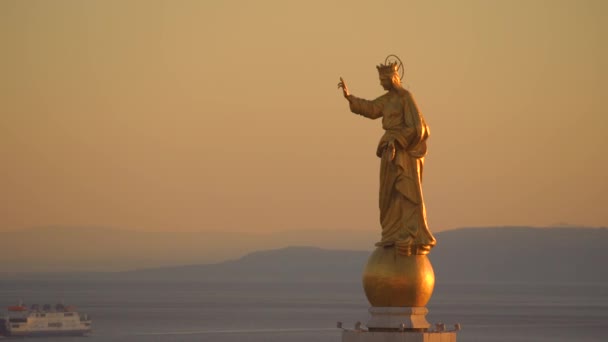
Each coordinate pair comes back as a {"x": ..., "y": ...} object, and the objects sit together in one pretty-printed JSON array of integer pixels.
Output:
[{"x": 342, "y": 85}]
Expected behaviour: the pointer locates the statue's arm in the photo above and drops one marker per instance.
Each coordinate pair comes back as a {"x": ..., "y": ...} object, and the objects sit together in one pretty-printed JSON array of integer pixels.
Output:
[{"x": 369, "y": 109}]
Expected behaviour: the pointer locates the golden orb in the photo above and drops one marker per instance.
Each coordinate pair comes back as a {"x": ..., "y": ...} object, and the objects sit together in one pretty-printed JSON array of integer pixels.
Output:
[{"x": 391, "y": 279}]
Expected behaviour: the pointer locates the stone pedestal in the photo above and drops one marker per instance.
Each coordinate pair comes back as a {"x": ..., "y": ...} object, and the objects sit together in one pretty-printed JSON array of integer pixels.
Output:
[
  {"x": 399, "y": 324},
  {"x": 406, "y": 336},
  {"x": 397, "y": 318}
]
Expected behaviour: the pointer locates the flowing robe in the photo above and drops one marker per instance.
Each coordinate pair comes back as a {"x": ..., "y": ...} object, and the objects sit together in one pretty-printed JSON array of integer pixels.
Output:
[{"x": 402, "y": 211}]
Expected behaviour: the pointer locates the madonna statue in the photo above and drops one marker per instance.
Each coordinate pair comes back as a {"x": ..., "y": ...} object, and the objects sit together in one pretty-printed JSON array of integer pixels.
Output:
[{"x": 401, "y": 150}]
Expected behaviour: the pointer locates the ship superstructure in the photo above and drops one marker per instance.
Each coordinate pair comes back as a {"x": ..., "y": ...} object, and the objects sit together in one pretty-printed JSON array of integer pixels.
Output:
[{"x": 44, "y": 320}]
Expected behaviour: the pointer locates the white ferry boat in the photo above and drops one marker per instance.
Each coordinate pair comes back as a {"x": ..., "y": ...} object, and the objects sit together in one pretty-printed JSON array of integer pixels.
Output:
[{"x": 44, "y": 321}]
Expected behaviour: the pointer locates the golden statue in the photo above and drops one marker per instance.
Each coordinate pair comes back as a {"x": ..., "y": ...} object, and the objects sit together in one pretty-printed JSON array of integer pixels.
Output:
[
  {"x": 402, "y": 149},
  {"x": 398, "y": 273}
]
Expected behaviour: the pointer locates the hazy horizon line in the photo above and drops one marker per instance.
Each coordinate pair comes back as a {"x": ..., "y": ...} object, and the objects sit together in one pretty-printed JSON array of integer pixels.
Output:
[{"x": 235, "y": 231}]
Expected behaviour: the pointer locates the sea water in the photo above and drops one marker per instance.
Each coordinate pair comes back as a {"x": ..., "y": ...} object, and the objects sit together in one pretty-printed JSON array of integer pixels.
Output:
[{"x": 172, "y": 310}]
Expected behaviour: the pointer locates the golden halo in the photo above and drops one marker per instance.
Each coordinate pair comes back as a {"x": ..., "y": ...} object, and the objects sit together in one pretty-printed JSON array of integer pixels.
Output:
[{"x": 395, "y": 59}]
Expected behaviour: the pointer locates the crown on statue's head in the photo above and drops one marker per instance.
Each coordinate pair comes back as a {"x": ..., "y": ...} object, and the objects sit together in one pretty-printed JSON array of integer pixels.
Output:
[{"x": 389, "y": 69}]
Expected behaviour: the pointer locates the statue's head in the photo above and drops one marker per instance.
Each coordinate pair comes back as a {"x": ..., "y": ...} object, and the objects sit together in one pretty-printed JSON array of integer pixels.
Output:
[{"x": 389, "y": 75}]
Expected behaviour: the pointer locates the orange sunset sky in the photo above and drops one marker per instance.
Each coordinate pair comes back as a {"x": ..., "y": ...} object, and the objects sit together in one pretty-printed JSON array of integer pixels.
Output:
[{"x": 224, "y": 115}]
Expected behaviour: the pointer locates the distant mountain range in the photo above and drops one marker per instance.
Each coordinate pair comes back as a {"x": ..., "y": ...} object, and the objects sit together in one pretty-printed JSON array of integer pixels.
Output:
[
  {"x": 286, "y": 264},
  {"x": 503, "y": 254},
  {"x": 507, "y": 254},
  {"x": 522, "y": 254},
  {"x": 60, "y": 249}
]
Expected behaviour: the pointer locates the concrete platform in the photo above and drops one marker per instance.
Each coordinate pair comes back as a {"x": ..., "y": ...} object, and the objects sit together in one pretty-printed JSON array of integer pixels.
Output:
[
  {"x": 406, "y": 336},
  {"x": 393, "y": 318},
  {"x": 399, "y": 324}
]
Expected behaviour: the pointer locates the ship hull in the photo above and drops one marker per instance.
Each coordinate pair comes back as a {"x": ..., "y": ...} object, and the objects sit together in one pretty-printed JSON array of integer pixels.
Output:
[
  {"x": 35, "y": 322},
  {"x": 48, "y": 333}
]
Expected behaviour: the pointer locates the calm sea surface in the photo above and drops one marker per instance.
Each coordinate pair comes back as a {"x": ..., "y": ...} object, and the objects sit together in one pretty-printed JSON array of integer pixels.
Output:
[{"x": 298, "y": 312}]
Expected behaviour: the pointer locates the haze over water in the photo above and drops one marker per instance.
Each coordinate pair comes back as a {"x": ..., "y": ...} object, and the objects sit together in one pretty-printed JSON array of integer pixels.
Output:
[{"x": 262, "y": 311}]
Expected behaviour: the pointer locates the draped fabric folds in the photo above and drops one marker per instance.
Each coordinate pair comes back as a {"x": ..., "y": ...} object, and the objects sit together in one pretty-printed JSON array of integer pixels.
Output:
[{"x": 402, "y": 210}]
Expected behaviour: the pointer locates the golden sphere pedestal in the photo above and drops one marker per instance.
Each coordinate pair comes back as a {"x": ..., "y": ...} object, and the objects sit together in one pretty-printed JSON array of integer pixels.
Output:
[
  {"x": 398, "y": 287},
  {"x": 391, "y": 279}
]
